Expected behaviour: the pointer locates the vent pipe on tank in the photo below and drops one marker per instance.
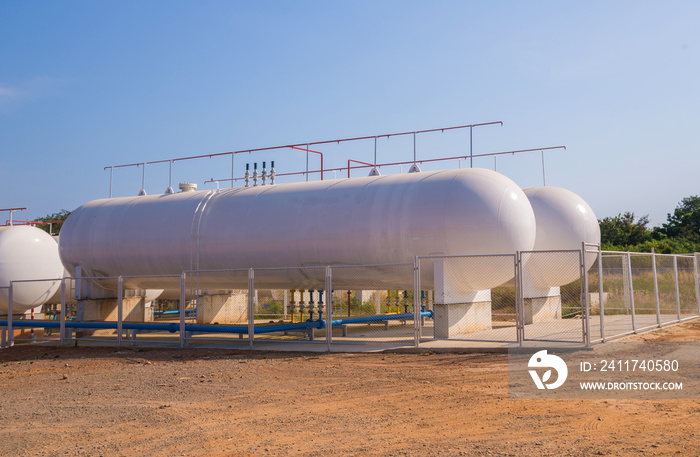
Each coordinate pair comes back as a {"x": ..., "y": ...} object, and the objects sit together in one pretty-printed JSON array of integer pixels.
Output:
[
  {"x": 142, "y": 192},
  {"x": 272, "y": 172},
  {"x": 264, "y": 174},
  {"x": 247, "y": 175},
  {"x": 255, "y": 174},
  {"x": 170, "y": 190}
]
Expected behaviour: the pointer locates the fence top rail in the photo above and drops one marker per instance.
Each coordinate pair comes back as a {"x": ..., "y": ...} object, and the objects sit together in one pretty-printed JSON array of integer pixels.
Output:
[
  {"x": 316, "y": 267},
  {"x": 32, "y": 280},
  {"x": 110, "y": 277},
  {"x": 578, "y": 251},
  {"x": 373, "y": 265},
  {"x": 148, "y": 276},
  {"x": 647, "y": 254},
  {"x": 242, "y": 270},
  {"x": 462, "y": 256}
]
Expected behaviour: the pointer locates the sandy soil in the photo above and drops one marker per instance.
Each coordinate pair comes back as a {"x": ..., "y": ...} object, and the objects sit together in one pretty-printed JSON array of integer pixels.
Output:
[{"x": 107, "y": 401}]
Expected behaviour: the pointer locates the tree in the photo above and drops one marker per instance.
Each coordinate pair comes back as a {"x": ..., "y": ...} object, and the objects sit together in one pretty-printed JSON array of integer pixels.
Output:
[
  {"x": 622, "y": 230},
  {"x": 685, "y": 220},
  {"x": 53, "y": 229}
]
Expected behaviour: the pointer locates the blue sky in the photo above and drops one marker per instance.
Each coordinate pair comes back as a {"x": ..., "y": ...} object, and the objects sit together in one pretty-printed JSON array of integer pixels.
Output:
[{"x": 85, "y": 85}]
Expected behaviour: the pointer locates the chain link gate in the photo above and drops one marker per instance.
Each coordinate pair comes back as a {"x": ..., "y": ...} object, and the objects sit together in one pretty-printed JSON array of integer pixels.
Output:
[
  {"x": 553, "y": 295},
  {"x": 472, "y": 298}
]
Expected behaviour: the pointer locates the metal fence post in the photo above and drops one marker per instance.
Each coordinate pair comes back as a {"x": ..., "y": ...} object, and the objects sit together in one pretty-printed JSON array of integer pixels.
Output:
[
  {"x": 656, "y": 287},
  {"x": 416, "y": 302},
  {"x": 697, "y": 280},
  {"x": 629, "y": 272},
  {"x": 62, "y": 314},
  {"x": 10, "y": 332},
  {"x": 251, "y": 307},
  {"x": 601, "y": 294},
  {"x": 183, "y": 310},
  {"x": 584, "y": 296},
  {"x": 519, "y": 299},
  {"x": 678, "y": 292},
  {"x": 120, "y": 309},
  {"x": 329, "y": 307}
]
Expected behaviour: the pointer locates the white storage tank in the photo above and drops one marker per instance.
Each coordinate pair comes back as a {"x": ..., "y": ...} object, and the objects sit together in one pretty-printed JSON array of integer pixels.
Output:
[
  {"x": 27, "y": 253},
  {"x": 564, "y": 221},
  {"x": 358, "y": 221}
]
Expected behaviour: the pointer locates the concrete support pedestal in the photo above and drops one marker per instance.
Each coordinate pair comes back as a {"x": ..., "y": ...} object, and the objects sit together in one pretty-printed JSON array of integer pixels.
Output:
[
  {"x": 452, "y": 320},
  {"x": 458, "y": 311},
  {"x": 223, "y": 307},
  {"x": 546, "y": 306},
  {"x": 105, "y": 310}
]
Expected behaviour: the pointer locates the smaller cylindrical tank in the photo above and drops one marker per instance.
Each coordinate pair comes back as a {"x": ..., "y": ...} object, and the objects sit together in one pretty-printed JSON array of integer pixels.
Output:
[
  {"x": 564, "y": 221},
  {"x": 27, "y": 253}
]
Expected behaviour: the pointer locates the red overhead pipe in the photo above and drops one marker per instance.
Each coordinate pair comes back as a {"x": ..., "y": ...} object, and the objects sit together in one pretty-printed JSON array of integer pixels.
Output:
[
  {"x": 365, "y": 164},
  {"x": 9, "y": 221},
  {"x": 357, "y": 161},
  {"x": 310, "y": 150},
  {"x": 304, "y": 145}
]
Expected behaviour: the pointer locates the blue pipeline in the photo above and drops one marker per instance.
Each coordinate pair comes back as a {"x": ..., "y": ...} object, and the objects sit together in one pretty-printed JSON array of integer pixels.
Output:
[
  {"x": 174, "y": 327},
  {"x": 268, "y": 328},
  {"x": 175, "y": 311},
  {"x": 379, "y": 317}
]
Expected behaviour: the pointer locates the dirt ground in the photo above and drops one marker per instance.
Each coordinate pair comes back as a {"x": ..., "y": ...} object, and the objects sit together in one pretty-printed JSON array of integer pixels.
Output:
[{"x": 107, "y": 401}]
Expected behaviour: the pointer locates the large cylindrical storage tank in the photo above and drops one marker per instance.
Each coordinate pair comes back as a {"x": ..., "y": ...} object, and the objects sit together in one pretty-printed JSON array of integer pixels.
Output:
[
  {"x": 358, "y": 221},
  {"x": 564, "y": 221},
  {"x": 27, "y": 253}
]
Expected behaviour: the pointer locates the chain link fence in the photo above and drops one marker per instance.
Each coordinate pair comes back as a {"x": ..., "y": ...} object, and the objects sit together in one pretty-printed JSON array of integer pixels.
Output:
[
  {"x": 612, "y": 310},
  {"x": 215, "y": 308},
  {"x": 289, "y": 315},
  {"x": 634, "y": 292},
  {"x": 689, "y": 302},
  {"x": 117, "y": 310},
  {"x": 30, "y": 322},
  {"x": 373, "y": 304},
  {"x": 474, "y": 298},
  {"x": 561, "y": 296}
]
